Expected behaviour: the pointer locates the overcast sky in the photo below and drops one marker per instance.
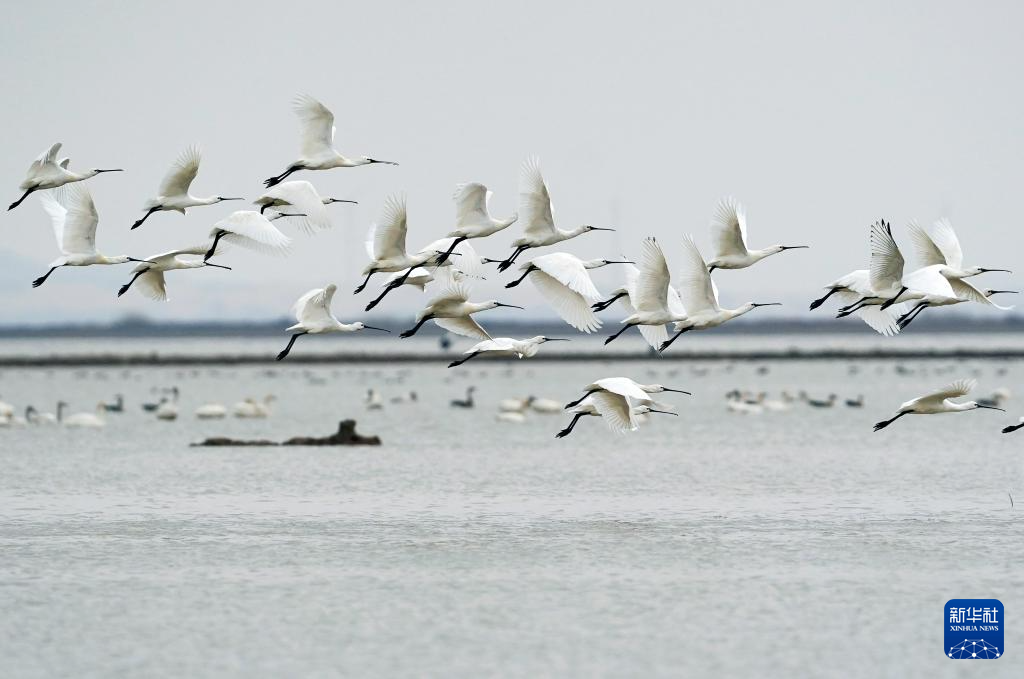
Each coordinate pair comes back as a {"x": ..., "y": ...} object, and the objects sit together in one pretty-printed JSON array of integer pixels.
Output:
[{"x": 819, "y": 116}]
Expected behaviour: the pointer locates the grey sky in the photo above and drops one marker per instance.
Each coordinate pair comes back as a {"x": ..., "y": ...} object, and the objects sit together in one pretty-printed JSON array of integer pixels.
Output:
[{"x": 821, "y": 117}]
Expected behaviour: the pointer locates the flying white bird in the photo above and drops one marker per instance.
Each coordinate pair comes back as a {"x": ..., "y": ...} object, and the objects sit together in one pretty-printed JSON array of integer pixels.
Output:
[
  {"x": 618, "y": 412},
  {"x": 627, "y": 293},
  {"x": 938, "y": 402},
  {"x": 150, "y": 274},
  {"x": 855, "y": 286},
  {"x": 939, "y": 246},
  {"x": 965, "y": 292},
  {"x": 452, "y": 311},
  {"x": 174, "y": 188},
  {"x": 249, "y": 229},
  {"x": 700, "y": 297},
  {"x": 624, "y": 386},
  {"x": 506, "y": 346},
  {"x": 386, "y": 243},
  {"x": 46, "y": 173},
  {"x": 887, "y": 281},
  {"x": 564, "y": 281},
  {"x": 656, "y": 302},
  {"x": 729, "y": 231},
  {"x": 538, "y": 221},
  {"x": 472, "y": 218},
  {"x": 317, "y": 141},
  {"x": 466, "y": 264},
  {"x": 313, "y": 313},
  {"x": 74, "y": 219},
  {"x": 301, "y": 197}
]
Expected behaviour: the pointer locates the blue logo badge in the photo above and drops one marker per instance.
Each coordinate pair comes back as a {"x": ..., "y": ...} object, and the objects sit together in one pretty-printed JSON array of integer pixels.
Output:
[{"x": 974, "y": 629}]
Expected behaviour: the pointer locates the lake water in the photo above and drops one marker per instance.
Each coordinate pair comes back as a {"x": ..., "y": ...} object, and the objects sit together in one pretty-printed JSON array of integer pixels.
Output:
[{"x": 784, "y": 544}]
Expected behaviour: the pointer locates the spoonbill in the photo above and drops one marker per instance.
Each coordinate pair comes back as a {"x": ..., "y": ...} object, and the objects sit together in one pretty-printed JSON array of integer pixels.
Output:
[
  {"x": 939, "y": 246},
  {"x": 302, "y": 197},
  {"x": 938, "y": 402},
  {"x": 472, "y": 218},
  {"x": 655, "y": 305},
  {"x": 617, "y": 411},
  {"x": 506, "y": 346},
  {"x": 564, "y": 281},
  {"x": 628, "y": 294},
  {"x": 249, "y": 229},
  {"x": 452, "y": 311},
  {"x": 313, "y": 313},
  {"x": 150, "y": 274},
  {"x": 386, "y": 243},
  {"x": 624, "y": 386},
  {"x": 700, "y": 297},
  {"x": 46, "y": 173},
  {"x": 538, "y": 221},
  {"x": 729, "y": 231},
  {"x": 316, "y": 123},
  {"x": 74, "y": 219},
  {"x": 965, "y": 292},
  {"x": 855, "y": 286},
  {"x": 173, "y": 192},
  {"x": 468, "y": 266}
]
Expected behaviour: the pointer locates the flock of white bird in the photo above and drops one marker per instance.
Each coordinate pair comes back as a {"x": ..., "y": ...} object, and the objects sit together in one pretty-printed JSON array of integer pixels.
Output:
[{"x": 878, "y": 295}]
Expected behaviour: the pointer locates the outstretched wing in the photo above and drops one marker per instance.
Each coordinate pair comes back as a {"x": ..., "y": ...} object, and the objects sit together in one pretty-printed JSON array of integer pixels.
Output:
[
  {"x": 47, "y": 157},
  {"x": 695, "y": 286},
  {"x": 314, "y": 307},
  {"x": 886, "y": 260},
  {"x": 569, "y": 271},
  {"x": 153, "y": 285},
  {"x": 74, "y": 218},
  {"x": 303, "y": 198},
  {"x": 387, "y": 235},
  {"x": 928, "y": 254},
  {"x": 471, "y": 204},
  {"x": 534, "y": 201},
  {"x": 464, "y": 326},
  {"x": 316, "y": 126},
  {"x": 729, "y": 228},
  {"x": 250, "y": 229},
  {"x": 653, "y": 281},
  {"x": 967, "y": 291},
  {"x": 616, "y": 411},
  {"x": 954, "y": 390},
  {"x": 945, "y": 239},
  {"x": 179, "y": 178},
  {"x": 571, "y": 306}
]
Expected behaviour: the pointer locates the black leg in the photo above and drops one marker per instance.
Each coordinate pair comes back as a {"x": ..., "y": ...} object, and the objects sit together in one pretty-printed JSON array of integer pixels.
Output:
[
  {"x": 666, "y": 344},
  {"x": 601, "y": 306},
  {"x": 397, "y": 283},
  {"x": 1012, "y": 427},
  {"x": 213, "y": 248},
  {"x": 907, "y": 318},
  {"x": 462, "y": 360},
  {"x": 578, "y": 401},
  {"x": 412, "y": 331},
  {"x": 144, "y": 217},
  {"x": 519, "y": 280},
  {"x": 290, "y": 343},
  {"x": 508, "y": 262},
  {"x": 621, "y": 330},
  {"x": 568, "y": 430},
  {"x": 451, "y": 248},
  {"x": 42, "y": 279},
  {"x": 362, "y": 285},
  {"x": 885, "y": 423},
  {"x": 273, "y": 181},
  {"x": 892, "y": 301},
  {"x": 124, "y": 288},
  {"x": 19, "y": 201},
  {"x": 264, "y": 208},
  {"x": 847, "y": 310},
  {"x": 818, "y": 302}
]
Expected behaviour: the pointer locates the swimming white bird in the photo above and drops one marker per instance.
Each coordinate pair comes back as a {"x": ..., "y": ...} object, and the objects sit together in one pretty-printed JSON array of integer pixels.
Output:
[
  {"x": 938, "y": 245},
  {"x": 453, "y": 311},
  {"x": 316, "y": 130},
  {"x": 965, "y": 292},
  {"x": 373, "y": 400},
  {"x": 74, "y": 219},
  {"x": 628, "y": 293},
  {"x": 729, "y": 231},
  {"x": 81, "y": 420},
  {"x": 167, "y": 411},
  {"x": 249, "y": 229},
  {"x": 211, "y": 411},
  {"x": 538, "y": 220},
  {"x": 700, "y": 297},
  {"x": 386, "y": 243},
  {"x": 173, "y": 192},
  {"x": 564, "y": 281},
  {"x": 33, "y": 416},
  {"x": 250, "y": 408},
  {"x": 624, "y": 386},
  {"x": 472, "y": 218},
  {"x": 301, "y": 197},
  {"x": 887, "y": 280},
  {"x": 313, "y": 313},
  {"x": 510, "y": 418},
  {"x": 546, "y": 406},
  {"x": 619, "y": 412},
  {"x": 514, "y": 405},
  {"x": 506, "y": 346},
  {"x": 150, "y": 274},
  {"x": 855, "y": 286},
  {"x": 6, "y": 409},
  {"x": 466, "y": 264},
  {"x": 938, "y": 402},
  {"x": 656, "y": 302},
  {"x": 46, "y": 173}
]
